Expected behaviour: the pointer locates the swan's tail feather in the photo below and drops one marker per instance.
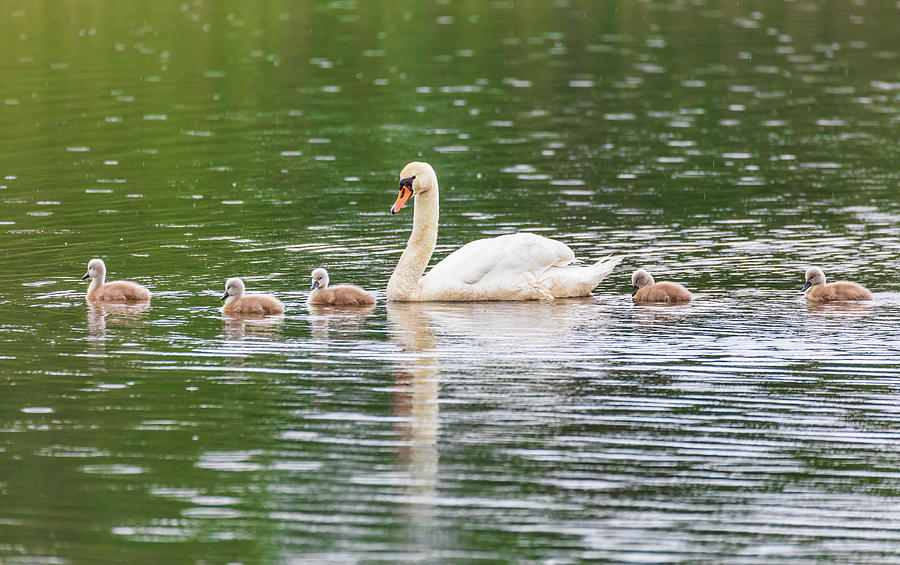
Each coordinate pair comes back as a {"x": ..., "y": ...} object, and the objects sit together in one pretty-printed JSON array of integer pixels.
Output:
[{"x": 605, "y": 266}]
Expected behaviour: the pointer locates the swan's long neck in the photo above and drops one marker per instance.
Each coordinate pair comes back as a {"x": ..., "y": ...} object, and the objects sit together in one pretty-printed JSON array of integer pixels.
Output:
[
  {"x": 404, "y": 282},
  {"x": 96, "y": 283}
]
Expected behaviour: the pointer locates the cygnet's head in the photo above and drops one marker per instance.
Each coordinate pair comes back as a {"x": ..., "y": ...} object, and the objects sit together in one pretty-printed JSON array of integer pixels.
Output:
[
  {"x": 96, "y": 270},
  {"x": 234, "y": 288},
  {"x": 814, "y": 276},
  {"x": 319, "y": 279},
  {"x": 640, "y": 279},
  {"x": 415, "y": 178}
]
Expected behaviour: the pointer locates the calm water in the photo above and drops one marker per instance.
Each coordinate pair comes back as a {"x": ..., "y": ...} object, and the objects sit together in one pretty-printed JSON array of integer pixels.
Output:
[{"x": 726, "y": 147}]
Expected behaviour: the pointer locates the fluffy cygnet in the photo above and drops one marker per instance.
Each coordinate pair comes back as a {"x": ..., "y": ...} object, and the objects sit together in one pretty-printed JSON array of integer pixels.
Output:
[
  {"x": 644, "y": 289},
  {"x": 341, "y": 295},
  {"x": 237, "y": 303},
  {"x": 816, "y": 290},
  {"x": 116, "y": 291}
]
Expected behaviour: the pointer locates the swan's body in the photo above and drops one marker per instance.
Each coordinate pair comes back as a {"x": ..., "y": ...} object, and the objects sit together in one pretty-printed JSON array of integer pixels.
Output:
[
  {"x": 816, "y": 290},
  {"x": 116, "y": 291},
  {"x": 645, "y": 289},
  {"x": 522, "y": 266},
  {"x": 339, "y": 295},
  {"x": 237, "y": 303}
]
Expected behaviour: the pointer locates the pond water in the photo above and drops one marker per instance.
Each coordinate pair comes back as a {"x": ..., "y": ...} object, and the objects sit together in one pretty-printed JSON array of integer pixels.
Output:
[{"x": 727, "y": 147}]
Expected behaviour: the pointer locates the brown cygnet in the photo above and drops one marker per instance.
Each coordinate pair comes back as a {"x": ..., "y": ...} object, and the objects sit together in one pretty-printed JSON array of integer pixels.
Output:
[
  {"x": 645, "y": 289},
  {"x": 116, "y": 291},
  {"x": 340, "y": 295},
  {"x": 237, "y": 303},
  {"x": 816, "y": 290}
]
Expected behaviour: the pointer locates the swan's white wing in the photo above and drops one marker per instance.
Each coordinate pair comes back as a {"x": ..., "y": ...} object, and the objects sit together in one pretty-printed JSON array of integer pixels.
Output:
[{"x": 515, "y": 258}]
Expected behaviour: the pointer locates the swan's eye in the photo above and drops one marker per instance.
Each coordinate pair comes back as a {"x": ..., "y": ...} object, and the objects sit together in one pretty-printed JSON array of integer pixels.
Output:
[{"x": 407, "y": 183}]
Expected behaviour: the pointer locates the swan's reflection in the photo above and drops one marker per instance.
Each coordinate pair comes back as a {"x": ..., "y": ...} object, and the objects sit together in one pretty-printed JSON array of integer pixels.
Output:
[
  {"x": 504, "y": 332},
  {"x": 340, "y": 320},
  {"x": 648, "y": 315},
  {"x": 416, "y": 406},
  {"x": 261, "y": 326},
  {"x": 840, "y": 310},
  {"x": 835, "y": 316},
  {"x": 474, "y": 338},
  {"x": 100, "y": 315}
]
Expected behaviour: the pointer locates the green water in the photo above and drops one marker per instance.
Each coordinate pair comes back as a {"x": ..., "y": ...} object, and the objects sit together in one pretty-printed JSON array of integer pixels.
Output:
[{"x": 727, "y": 147}]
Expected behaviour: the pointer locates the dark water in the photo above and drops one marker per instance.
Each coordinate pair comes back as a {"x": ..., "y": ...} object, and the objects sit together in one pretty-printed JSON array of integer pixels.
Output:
[{"x": 724, "y": 146}]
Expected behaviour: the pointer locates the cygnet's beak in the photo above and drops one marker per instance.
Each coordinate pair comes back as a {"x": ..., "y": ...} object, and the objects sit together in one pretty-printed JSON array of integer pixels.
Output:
[
  {"x": 634, "y": 289},
  {"x": 805, "y": 286},
  {"x": 86, "y": 276},
  {"x": 405, "y": 192},
  {"x": 314, "y": 286},
  {"x": 224, "y": 296}
]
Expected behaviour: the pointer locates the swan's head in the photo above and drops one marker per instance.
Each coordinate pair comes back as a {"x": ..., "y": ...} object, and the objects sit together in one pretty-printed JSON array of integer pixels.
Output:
[
  {"x": 640, "y": 279},
  {"x": 96, "y": 270},
  {"x": 814, "y": 276},
  {"x": 319, "y": 279},
  {"x": 234, "y": 288},
  {"x": 415, "y": 178}
]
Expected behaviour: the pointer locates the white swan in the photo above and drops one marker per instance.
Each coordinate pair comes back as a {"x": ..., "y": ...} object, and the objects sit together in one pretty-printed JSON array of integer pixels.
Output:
[{"x": 521, "y": 266}]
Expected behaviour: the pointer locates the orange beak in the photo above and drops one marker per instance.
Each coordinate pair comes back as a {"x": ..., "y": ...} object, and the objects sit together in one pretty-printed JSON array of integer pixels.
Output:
[{"x": 404, "y": 195}]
